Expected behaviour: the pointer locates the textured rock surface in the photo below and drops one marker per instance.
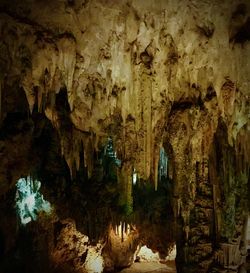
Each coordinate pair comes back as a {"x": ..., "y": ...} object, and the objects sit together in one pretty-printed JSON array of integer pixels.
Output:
[
  {"x": 125, "y": 64},
  {"x": 120, "y": 248},
  {"x": 73, "y": 249},
  {"x": 147, "y": 74},
  {"x": 150, "y": 267}
]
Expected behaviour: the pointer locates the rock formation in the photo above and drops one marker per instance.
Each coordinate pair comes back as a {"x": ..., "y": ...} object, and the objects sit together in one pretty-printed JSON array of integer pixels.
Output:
[{"x": 91, "y": 91}]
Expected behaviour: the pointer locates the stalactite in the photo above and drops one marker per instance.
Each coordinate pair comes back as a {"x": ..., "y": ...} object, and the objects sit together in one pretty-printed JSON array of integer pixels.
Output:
[
  {"x": 156, "y": 166},
  {"x": 178, "y": 207},
  {"x": 88, "y": 153},
  {"x": 70, "y": 165},
  {"x": 77, "y": 160},
  {"x": 52, "y": 100},
  {"x": 39, "y": 99},
  {"x": 122, "y": 232}
]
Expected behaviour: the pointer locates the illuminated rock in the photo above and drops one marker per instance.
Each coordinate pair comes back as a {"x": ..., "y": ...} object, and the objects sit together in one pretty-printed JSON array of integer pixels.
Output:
[{"x": 29, "y": 201}]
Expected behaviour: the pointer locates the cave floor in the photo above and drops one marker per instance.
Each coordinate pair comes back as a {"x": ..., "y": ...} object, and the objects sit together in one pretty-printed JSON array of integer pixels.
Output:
[{"x": 151, "y": 267}]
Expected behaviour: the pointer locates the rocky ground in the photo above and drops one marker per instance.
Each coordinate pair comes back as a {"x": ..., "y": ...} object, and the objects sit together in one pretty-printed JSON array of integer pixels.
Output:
[{"x": 151, "y": 267}]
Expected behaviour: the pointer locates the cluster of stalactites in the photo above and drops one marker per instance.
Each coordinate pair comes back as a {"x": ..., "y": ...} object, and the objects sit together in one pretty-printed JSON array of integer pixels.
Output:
[
  {"x": 79, "y": 149},
  {"x": 123, "y": 230},
  {"x": 81, "y": 146},
  {"x": 53, "y": 63}
]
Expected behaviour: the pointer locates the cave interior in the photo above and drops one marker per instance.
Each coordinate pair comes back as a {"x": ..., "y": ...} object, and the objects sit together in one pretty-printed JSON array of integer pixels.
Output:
[{"x": 124, "y": 136}]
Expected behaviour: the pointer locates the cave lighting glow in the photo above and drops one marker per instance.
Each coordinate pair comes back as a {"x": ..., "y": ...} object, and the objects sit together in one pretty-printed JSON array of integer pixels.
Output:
[
  {"x": 147, "y": 255},
  {"x": 94, "y": 262},
  {"x": 123, "y": 232},
  {"x": 163, "y": 163},
  {"x": 134, "y": 177},
  {"x": 172, "y": 254},
  {"x": 29, "y": 201},
  {"x": 109, "y": 151}
]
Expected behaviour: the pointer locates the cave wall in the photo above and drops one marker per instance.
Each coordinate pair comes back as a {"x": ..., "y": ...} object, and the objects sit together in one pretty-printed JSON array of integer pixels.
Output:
[{"x": 148, "y": 74}]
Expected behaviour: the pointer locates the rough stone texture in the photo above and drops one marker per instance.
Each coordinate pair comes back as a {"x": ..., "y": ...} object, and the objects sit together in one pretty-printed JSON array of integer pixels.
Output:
[
  {"x": 125, "y": 64},
  {"x": 150, "y": 267},
  {"x": 72, "y": 250},
  {"x": 120, "y": 248},
  {"x": 148, "y": 74}
]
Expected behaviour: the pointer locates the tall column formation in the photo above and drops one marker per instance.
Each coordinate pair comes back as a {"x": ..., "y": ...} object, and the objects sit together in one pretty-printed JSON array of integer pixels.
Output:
[{"x": 147, "y": 74}]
